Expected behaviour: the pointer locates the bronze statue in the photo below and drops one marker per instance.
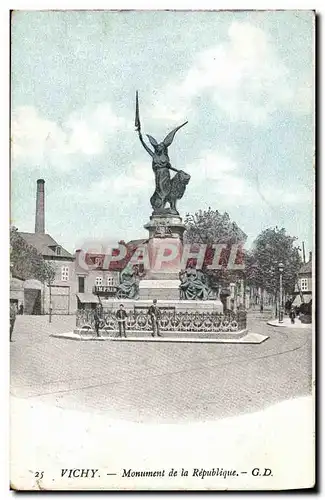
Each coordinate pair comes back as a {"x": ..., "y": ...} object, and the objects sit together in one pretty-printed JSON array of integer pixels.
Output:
[
  {"x": 167, "y": 190},
  {"x": 193, "y": 285},
  {"x": 129, "y": 286}
]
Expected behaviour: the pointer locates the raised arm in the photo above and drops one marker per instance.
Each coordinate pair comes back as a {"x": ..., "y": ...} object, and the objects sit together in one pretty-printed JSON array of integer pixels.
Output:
[{"x": 145, "y": 145}]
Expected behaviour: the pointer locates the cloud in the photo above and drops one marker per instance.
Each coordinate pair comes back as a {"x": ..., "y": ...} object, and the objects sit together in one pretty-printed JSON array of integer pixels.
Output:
[
  {"x": 116, "y": 186},
  {"x": 223, "y": 174},
  {"x": 304, "y": 96},
  {"x": 243, "y": 76},
  {"x": 139, "y": 178},
  {"x": 85, "y": 132},
  {"x": 296, "y": 195},
  {"x": 212, "y": 166}
]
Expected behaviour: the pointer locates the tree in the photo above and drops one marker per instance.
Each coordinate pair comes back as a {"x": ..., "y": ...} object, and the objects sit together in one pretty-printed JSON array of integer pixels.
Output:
[
  {"x": 270, "y": 248},
  {"x": 26, "y": 262},
  {"x": 212, "y": 227}
]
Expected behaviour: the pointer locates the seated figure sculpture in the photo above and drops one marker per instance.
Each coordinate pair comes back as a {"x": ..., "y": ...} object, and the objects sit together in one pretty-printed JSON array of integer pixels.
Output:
[
  {"x": 129, "y": 286},
  {"x": 193, "y": 286}
]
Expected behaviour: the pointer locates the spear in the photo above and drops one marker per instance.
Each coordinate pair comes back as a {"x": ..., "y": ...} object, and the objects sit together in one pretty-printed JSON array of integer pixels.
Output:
[{"x": 137, "y": 115}]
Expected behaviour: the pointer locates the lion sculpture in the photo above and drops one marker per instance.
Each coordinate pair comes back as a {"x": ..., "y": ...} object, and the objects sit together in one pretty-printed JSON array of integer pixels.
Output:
[{"x": 177, "y": 190}]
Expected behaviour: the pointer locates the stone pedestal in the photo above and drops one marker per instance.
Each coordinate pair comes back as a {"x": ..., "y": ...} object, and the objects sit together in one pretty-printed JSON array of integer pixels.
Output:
[
  {"x": 164, "y": 225},
  {"x": 191, "y": 306},
  {"x": 165, "y": 248},
  {"x": 159, "y": 289}
]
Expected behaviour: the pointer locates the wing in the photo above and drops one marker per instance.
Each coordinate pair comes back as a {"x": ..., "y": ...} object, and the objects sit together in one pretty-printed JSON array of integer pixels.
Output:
[
  {"x": 170, "y": 137},
  {"x": 152, "y": 140}
]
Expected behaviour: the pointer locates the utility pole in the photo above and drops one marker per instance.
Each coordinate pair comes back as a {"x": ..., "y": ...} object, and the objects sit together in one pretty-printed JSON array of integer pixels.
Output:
[
  {"x": 50, "y": 307},
  {"x": 281, "y": 268}
]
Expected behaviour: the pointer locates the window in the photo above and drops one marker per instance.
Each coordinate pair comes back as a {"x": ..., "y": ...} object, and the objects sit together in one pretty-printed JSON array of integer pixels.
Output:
[
  {"x": 110, "y": 281},
  {"x": 81, "y": 284},
  {"x": 99, "y": 281},
  {"x": 58, "y": 250},
  {"x": 304, "y": 284},
  {"x": 64, "y": 273}
]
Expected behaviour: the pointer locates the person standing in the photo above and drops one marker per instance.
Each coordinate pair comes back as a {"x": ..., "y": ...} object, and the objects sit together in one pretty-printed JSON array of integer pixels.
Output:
[
  {"x": 155, "y": 315},
  {"x": 97, "y": 319},
  {"x": 292, "y": 315},
  {"x": 13, "y": 314},
  {"x": 121, "y": 316},
  {"x": 287, "y": 306}
]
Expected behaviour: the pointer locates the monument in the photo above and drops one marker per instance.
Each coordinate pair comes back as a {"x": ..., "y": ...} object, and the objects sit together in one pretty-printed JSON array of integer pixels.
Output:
[
  {"x": 166, "y": 278},
  {"x": 165, "y": 227},
  {"x": 188, "y": 304}
]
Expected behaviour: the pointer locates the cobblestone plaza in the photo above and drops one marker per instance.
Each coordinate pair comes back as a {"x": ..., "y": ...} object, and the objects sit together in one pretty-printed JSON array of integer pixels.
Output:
[{"x": 159, "y": 382}]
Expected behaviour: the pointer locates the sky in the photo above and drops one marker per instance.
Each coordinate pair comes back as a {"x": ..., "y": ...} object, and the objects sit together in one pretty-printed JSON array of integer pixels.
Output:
[{"x": 243, "y": 80}]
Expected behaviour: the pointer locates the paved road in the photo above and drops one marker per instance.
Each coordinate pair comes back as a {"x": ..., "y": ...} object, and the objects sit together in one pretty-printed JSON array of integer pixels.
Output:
[{"x": 160, "y": 382}]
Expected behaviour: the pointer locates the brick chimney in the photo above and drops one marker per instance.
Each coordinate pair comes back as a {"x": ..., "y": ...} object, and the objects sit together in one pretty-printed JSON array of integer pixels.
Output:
[{"x": 39, "y": 214}]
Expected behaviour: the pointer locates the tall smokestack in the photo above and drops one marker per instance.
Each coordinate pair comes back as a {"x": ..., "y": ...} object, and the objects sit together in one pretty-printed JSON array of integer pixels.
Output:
[
  {"x": 303, "y": 252},
  {"x": 39, "y": 214}
]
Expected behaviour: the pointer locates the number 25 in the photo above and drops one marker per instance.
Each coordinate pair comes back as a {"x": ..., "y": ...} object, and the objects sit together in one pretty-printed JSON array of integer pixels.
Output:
[{"x": 39, "y": 474}]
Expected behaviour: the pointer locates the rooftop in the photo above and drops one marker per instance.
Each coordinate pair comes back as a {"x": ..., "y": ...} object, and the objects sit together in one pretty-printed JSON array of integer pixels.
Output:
[
  {"x": 114, "y": 265},
  {"x": 306, "y": 268},
  {"x": 136, "y": 243},
  {"x": 45, "y": 245}
]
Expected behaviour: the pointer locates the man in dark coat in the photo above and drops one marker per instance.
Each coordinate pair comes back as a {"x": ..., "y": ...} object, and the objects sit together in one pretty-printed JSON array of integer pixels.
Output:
[
  {"x": 13, "y": 313},
  {"x": 292, "y": 315},
  {"x": 97, "y": 319},
  {"x": 121, "y": 316},
  {"x": 287, "y": 306},
  {"x": 155, "y": 315}
]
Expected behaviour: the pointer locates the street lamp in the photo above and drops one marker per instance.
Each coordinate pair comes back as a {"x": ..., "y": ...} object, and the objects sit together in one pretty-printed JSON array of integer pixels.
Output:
[
  {"x": 253, "y": 273},
  {"x": 281, "y": 268},
  {"x": 50, "y": 304}
]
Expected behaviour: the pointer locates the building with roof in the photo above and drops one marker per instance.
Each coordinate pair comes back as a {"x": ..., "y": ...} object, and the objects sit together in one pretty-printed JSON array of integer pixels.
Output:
[
  {"x": 94, "y": 282},
  {"x": 60, "y": 295},
  {"x": 77, "y": 284},
  {"x": 97, "y": 282},
  {"x": 16, "y": 291},
  {"x": 304, "y": 287}
]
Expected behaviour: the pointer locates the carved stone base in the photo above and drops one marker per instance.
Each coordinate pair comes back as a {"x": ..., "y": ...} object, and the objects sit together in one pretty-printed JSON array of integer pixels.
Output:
[
  {"x": 162, "y": 226},
  {"x": 202, "y": 306},
  {"x": 160, "y": 289},
  {"x": 165, "y": 256},
  {"x": 165, "y": 248}
]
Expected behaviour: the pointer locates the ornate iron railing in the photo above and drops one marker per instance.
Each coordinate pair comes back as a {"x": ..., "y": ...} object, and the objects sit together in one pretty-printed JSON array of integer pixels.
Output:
[{"x": 171, "y": 320}]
